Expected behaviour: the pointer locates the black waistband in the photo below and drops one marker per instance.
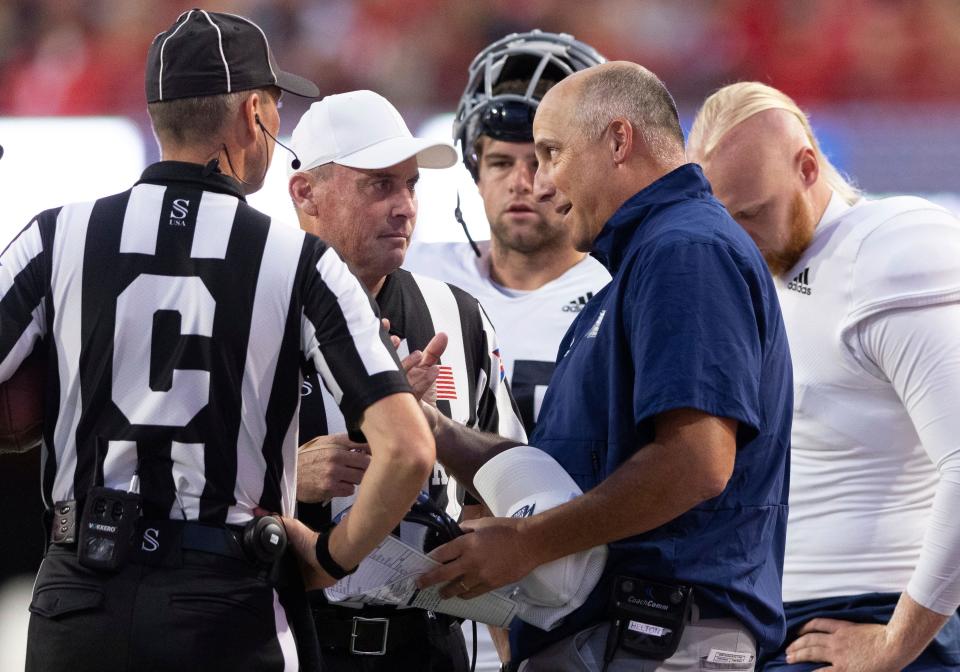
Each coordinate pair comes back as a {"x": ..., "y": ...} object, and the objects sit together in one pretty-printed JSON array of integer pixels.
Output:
[
  {"x": 156, "y": 540},
  {"x": 376, "y": 630}
]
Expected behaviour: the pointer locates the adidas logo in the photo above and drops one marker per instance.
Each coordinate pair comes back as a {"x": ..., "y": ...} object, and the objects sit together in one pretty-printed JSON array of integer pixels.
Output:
[
  {"x": 578, "y": 303},
  {"x": 801, "y": 283}
]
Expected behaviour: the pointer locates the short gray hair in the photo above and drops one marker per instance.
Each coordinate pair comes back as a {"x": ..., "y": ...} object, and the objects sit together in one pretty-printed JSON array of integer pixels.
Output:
[
  {"x": 195, "y": 121},
  {"x": 634, "y": 93}
]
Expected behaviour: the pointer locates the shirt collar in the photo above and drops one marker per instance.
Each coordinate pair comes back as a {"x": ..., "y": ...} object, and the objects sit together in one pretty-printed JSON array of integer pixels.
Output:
[
  {"x": 836, "y": 206},
  {"x": 165, "y": 172},
  {"x": 612, "y": 244}
]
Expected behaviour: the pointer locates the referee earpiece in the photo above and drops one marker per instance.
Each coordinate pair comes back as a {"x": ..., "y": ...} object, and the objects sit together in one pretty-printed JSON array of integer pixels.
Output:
[{"x": 295, "y": 164}]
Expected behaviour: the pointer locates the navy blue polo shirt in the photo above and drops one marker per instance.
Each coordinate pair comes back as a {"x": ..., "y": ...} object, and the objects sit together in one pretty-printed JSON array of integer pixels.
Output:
[{"x": 689, "y": 320}]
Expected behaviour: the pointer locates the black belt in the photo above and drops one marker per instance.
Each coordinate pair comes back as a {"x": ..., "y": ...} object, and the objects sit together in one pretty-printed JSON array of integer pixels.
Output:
[
  {"x": 374, "y": 631},
  {"x": 223, "y": 540}
]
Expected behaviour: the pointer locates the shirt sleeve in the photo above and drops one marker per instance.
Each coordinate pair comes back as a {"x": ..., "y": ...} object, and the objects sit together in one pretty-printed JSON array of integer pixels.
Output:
[
  {"x": 910, "y": 260},
  {"x": 342, "y": 338},
  {"x": 694, "y": 333},
  {"x": 918, "y": 351},
  {"x": 23, "y": 288}
]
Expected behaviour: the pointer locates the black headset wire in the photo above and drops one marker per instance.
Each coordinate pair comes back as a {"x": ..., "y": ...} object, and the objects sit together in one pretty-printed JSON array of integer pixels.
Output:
[
  {"x": 212, "y": 165},
  {"x": 459, "y": 215}
]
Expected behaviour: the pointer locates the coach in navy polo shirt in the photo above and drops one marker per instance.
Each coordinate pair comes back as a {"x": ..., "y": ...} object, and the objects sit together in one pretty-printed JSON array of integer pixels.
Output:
[{"x": 671, "y": 402}]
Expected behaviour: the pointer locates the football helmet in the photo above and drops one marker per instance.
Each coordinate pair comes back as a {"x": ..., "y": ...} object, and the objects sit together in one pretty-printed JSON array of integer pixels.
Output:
[{"x": 529, "y": 57}]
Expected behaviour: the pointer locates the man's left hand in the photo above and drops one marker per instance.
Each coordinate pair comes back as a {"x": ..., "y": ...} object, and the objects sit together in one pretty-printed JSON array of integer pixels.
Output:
[
  {"x": 422, "y": 368},
  {"x": 847, "y": 647},
  {"x": 491, "y": 554}
]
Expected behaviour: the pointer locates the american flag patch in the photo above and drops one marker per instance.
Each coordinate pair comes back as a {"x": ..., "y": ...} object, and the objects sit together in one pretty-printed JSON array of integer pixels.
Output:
[
  {"x": 503, "y": 372},
  {"x": 446, "y": 388}
]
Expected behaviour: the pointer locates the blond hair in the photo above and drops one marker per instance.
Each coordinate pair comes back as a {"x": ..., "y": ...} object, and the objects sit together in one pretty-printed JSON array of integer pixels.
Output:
[{"x": 735, "y": 103}]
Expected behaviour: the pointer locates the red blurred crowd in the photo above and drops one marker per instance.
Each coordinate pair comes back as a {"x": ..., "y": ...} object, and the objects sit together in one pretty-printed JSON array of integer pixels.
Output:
[{"x": 77, "y": 57}]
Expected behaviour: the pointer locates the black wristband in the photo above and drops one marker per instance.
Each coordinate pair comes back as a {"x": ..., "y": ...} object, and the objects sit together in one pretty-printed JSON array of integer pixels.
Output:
[{"x": 326, "y": 560}]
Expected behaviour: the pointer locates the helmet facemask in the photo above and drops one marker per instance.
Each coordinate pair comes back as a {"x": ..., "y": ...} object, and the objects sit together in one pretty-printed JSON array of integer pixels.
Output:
[{"x": 540, "y": 59}]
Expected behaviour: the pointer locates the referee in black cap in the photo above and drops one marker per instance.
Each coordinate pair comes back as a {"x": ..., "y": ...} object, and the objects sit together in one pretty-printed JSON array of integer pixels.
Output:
[{"x": 176, "y": 333}]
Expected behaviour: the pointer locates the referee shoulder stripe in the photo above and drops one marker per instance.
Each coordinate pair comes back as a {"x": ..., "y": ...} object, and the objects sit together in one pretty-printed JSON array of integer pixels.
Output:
[
  {"x": 66, "y": 285},
  {"x": 18, "y": 254},
  {"x": 141, "y": 220},
  {"x": 22, "y": 289},
  {"x": 355, "y": 305},
  {"x": 214, "y": 224},
  {"x": 270, "y": 306},
  {"x": 445, "y": 313}
]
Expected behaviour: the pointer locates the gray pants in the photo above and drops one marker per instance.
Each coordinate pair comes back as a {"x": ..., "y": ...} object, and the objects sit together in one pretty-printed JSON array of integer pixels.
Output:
[{"x": 583, "y": 652}]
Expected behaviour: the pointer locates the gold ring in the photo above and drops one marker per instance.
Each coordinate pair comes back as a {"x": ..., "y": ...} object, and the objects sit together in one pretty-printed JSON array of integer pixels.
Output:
[{"x": 463, "y": 586}]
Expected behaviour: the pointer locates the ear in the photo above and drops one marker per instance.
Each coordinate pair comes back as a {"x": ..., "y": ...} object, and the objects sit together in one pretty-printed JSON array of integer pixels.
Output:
[
  {"x": 620, "y": 139},
  {"x": 807, "y": 166},
  {"x": 300, "y": 189},
  {"x": 251, "y": 111}
]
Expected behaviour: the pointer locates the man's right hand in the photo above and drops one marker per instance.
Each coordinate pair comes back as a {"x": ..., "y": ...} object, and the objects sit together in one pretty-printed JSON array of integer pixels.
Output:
[
  {"x": 330, "y": 466},
  {"x": 303, "y": 541}
]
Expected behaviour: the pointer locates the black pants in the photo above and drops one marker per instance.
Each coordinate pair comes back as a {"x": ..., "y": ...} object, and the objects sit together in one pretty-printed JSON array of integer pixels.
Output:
[
  {"x": 211, "y": 613},
  {"x": 417, "y": 641}
]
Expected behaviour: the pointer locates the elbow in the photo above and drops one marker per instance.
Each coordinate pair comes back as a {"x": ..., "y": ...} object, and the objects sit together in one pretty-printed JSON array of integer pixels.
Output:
[
  {"x": 713, "y": 487},
  {"x": 412, "y": 456},
  {"x": 713, "y": 482}
]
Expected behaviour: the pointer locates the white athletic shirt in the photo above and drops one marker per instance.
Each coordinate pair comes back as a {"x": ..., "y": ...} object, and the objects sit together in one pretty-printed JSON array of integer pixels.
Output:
[
  {"x": 872, "y": 312},
  {"x": 529, "y": 325}
]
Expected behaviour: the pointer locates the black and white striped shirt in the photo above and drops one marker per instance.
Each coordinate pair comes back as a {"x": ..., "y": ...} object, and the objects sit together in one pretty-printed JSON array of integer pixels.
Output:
[
  {"x": 471, "y": 390},
  {"x": 176, "y": 320}
]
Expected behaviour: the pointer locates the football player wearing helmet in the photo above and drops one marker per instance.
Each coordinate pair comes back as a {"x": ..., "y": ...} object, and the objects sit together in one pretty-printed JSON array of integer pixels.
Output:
[{"x": 528, "y": 276}]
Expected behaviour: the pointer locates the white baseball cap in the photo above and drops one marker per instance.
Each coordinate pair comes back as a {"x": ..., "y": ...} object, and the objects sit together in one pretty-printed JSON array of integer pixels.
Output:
[
  {"x": 524, "y": 481},
  {"x": 362, "y": 129}
]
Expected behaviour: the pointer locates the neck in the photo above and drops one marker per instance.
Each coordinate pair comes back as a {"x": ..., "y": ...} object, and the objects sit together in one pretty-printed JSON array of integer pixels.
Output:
[
  {"x": 373, "y": 282},
  {"x": 529, "y": 271},
  {"x": 820, "y": 199},
  {"x": 187, "y": 154},
  {"x": 234, "y": 167}
]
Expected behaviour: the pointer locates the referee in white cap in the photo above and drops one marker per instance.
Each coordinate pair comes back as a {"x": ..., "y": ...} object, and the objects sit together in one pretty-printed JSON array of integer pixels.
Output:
[{"x": 356, "y": 189}]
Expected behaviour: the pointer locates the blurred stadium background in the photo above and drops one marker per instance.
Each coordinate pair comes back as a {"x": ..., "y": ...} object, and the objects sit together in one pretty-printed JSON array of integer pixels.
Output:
[{"x": 881, "y": 79}]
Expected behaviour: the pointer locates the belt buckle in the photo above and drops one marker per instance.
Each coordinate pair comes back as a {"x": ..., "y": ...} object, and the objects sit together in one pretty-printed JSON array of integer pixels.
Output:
[{"x": 384, "y": 622}]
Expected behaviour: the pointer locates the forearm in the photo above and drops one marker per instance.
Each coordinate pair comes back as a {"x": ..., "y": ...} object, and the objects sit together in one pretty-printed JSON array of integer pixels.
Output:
[
  {"x": 387, "y": 491},
  {"x": 463, "y": 450},
  {"x": 401, "y": 457},
  {"x": 911, "y": 629},
  {"x": 653, "y": 487}
]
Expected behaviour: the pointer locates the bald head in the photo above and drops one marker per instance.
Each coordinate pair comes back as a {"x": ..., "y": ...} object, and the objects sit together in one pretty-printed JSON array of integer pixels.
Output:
[
  {"x": 601, "y": 135},
  {"x": 620, "y": 89}
]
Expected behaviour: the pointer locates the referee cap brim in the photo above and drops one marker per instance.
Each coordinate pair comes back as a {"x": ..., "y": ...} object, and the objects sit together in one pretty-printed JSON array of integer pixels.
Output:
[{"x": 362, "y": 129}]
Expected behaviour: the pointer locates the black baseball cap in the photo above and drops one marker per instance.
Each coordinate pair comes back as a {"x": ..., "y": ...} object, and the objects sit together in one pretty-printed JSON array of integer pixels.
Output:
[{"x": 210, "y": 53}]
